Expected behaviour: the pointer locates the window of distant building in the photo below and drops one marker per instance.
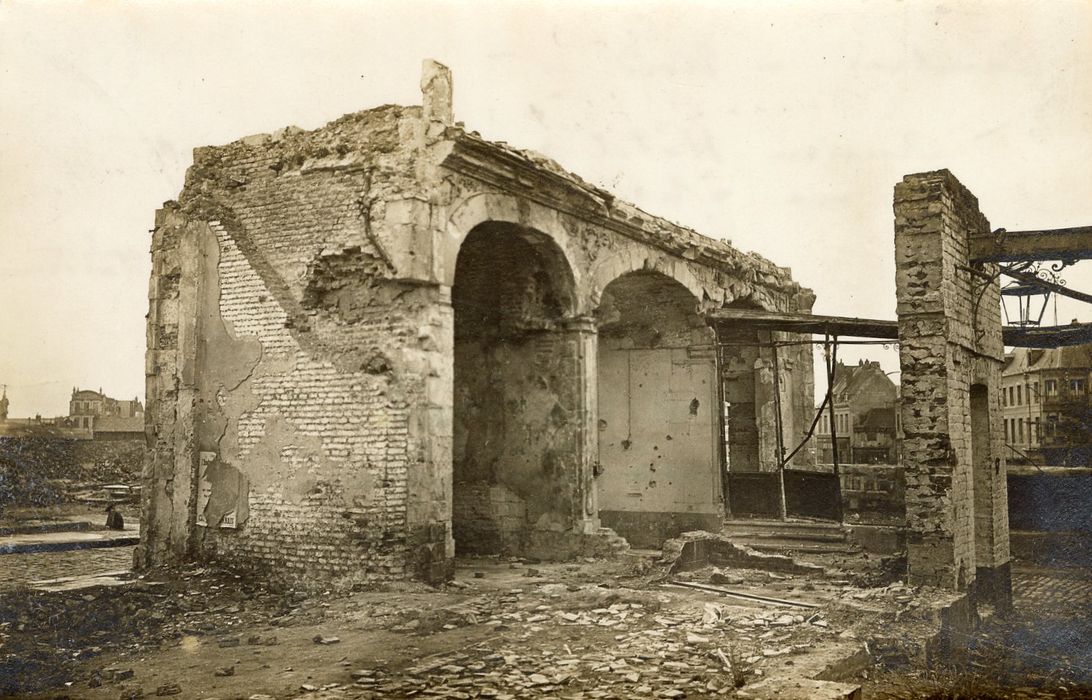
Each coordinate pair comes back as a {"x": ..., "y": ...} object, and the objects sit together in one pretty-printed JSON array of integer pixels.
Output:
[
  {"x": 1076, "y": 386},
  {"x": 1019, "y": 394},
  {"x": 1036, "y": 392},
  {"x": 1020, "y": 430},
  {"x": 1052, "y": 424},
  {"x": 1051, "y": 387},
  {"x": 1038, "y": 431}
]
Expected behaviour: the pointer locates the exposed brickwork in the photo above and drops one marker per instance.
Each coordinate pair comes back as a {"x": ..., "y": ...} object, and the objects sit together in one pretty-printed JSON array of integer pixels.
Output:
[
  {"x": 317, "y": 375},
  {"x": 951, "y": 357}
]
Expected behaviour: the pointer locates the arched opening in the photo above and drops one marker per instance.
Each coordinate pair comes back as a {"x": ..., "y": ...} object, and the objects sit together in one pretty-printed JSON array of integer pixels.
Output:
[
  {"x": 516, "y": 417},
  {"x": 658, "y": 411}
]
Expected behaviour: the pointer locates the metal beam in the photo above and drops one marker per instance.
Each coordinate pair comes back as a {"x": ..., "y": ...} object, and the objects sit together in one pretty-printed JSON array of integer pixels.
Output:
[
  {"x": 1030, "y": 279},
  {"x": 1020, "y": 246}
]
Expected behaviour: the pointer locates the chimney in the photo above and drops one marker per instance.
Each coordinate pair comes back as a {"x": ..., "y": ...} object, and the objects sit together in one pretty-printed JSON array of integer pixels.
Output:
[{"x": 436, "y": 93}]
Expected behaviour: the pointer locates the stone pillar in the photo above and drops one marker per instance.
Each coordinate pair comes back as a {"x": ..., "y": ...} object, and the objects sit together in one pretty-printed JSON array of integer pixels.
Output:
[
  {"x": 429, "y": 479},
  {"x": 436, "y": 93},
  {"x": 766, "y": 413},
  {"x": 169, "y": 493},
  {"x": 951, "y": 356},
  {"x": 582, "y": 330}
]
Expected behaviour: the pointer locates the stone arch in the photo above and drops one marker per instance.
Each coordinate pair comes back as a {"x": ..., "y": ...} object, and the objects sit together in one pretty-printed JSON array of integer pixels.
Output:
[
  {"x": 658, "y": 428},
  {"x": 468, "y": 213},
  {"x": 517, "y": 414},
  {"x": 624, "y": 262}
]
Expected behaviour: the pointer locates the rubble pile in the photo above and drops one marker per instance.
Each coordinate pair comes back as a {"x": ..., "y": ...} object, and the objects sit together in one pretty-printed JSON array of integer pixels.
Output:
[
  {"x": 27, "y": 465},
  {"x": 45, "y": 637},
  {"x": 46, "y": 470},
  {"x": 590, "y": 641}
]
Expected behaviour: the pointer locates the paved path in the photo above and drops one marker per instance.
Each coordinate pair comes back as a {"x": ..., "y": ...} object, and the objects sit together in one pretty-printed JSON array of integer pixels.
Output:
[
  {"x": 21, "y": 569},
  {"x": 1065, "y": 591},
  {"x": 64, "y": 541}
]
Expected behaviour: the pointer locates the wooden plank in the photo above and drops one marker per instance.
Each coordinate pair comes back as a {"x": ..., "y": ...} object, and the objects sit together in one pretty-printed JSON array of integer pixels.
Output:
[
  {"x": 804, "y": 323},
  {"x": 849, "y": 327},
  {"x": 745, "y": 596},
  {"x": 1018, "y": 246}
]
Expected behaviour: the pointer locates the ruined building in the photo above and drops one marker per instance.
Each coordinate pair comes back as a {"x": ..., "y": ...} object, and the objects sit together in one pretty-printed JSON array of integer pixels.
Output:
[{"x": 387, "y": 340}]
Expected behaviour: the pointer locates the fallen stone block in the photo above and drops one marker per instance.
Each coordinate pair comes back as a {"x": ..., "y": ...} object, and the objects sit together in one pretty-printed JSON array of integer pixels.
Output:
[{"x": 693, "y": 550}]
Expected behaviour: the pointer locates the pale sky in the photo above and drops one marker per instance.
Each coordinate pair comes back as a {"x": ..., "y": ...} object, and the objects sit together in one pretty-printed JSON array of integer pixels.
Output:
[{"x": 781, "y": 126}]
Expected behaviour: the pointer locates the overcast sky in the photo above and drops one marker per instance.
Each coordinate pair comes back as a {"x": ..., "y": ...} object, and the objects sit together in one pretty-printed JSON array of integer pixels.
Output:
[{"x": 780, "y": 126}]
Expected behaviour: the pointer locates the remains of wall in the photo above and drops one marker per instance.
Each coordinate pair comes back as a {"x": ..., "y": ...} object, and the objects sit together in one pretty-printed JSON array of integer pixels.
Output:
[
  {"x": 323, "y": 359},
  {"x": 280, "y": 363},
  {"x": 951, "y": 357},
  {"x": 516, "y": 379}
]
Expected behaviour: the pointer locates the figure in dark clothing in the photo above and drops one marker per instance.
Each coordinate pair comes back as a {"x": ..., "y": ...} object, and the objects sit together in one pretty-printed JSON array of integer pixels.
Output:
[{"x": 114, "y": 521}]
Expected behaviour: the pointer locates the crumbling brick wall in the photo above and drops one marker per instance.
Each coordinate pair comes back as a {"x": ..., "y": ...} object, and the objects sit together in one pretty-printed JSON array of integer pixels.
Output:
[
  {"x": 276, "y": 334},
  {"x": 314, "y": 365},
  {"x": 951, "y": 357}
]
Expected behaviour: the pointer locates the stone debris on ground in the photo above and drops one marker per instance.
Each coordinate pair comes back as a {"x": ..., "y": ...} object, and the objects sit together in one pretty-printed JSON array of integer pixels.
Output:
[
  {"x": 576, "y": 631},
  {"x": 624, "y": 643}
]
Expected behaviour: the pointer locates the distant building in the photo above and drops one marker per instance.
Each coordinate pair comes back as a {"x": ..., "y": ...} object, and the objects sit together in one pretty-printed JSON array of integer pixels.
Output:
[
  {"x": 865, "y": 416},
  {"x": 86, "y": 407},
  {"x": 119, "y": 428},
  {"x": 4, "y": 405},
  {"x": 1046, "y": 408}
]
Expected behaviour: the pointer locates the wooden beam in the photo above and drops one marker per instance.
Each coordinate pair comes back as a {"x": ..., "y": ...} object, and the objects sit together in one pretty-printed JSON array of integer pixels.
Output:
[
  {"x": 842, "y": 326},
  {"x": 1019, "y": 246},
  {"x": 725, "y": 320},
  {"x": 1047, "y": 336}
]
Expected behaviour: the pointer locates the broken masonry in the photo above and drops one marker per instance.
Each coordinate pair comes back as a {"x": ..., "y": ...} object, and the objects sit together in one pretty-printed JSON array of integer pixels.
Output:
[
  {"x": 385, "y": 341},
  {"x": 388, "y": 340}
]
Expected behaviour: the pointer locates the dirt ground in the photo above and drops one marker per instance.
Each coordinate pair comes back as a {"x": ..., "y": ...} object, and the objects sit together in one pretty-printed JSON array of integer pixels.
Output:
[{"x": 505, "y": 629}]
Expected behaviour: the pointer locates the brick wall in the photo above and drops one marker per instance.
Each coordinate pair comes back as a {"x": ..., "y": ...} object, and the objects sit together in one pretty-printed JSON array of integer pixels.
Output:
[
  {"x": 300, "y": 416},
  {"x": 951, "y": 358}
]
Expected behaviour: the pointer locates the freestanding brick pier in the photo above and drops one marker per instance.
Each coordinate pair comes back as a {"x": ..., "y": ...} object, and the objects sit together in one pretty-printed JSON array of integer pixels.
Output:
[
  {"x": 951, "y": 356},
  {"x": 386, "y": 339}
]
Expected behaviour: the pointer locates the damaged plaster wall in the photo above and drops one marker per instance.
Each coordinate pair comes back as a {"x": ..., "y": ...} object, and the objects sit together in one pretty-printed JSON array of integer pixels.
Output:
[
  {"x": 301, "y": 416},
  {"x": 658, "y": 451}
]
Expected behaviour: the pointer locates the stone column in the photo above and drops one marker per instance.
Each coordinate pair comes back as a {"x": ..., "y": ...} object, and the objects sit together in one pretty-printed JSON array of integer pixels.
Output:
[
  {"x": 951, "y": 356},
  {"x": 766, "y": 414},
  {"x": 429, "y": 478},
  {"x": 582, "y": 330},
  {"x": 168, "y": 496}
]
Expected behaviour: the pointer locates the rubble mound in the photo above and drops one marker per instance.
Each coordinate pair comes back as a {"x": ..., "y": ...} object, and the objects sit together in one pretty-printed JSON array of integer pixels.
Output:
[{"x": 43, "y": 470}]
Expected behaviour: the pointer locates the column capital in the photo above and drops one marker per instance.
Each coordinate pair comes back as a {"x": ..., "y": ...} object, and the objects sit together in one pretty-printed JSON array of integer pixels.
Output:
[{"x": 580, "y": 324}]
